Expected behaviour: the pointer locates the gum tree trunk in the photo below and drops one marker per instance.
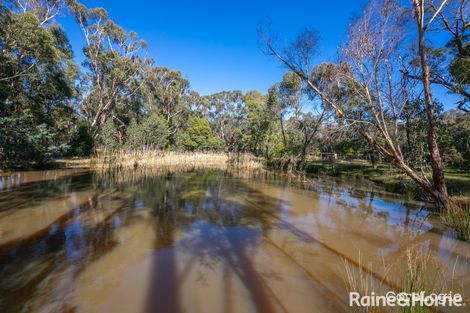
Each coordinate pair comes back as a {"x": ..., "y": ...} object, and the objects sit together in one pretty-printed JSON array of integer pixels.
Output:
[{"x": 434, "y": 153}]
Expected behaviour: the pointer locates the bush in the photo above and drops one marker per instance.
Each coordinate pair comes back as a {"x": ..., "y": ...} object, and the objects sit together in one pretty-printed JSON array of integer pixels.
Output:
[
  {"x": 151, "y": 133},
  {"x": 110, "y": 137},
  {"x": 21, "y": 141},
  {"x": 82, "y": 142},
  {"x": 199, "y": 136}
]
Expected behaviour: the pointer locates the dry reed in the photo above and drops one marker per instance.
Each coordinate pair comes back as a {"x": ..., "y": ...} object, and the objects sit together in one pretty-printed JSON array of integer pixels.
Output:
[
  {"x": 416, "y": 273},
  {"x": 156, "y": 158},
  {"x": 358, "y": 280}
]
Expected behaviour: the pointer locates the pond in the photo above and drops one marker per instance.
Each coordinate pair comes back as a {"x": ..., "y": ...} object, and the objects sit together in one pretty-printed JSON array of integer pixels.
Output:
[{"x": 210, "y": 240}]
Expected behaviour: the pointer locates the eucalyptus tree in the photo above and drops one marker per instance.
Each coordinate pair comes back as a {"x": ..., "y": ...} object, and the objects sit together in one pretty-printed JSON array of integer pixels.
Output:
[
  {"x": 276, "y": 141},
  {"x": 288, "y": 98},
  {"x": 255, "y": 123},
  {"x": 115, "y": 64},
  {"x": 45, "y": 11},
  {"x": 37, "y": 75},
  {"x": 37, "y": 70},
  {"x": 197, "y": 104},
  {"x": 365, "y": 89},
  {"x": 422, "y": 24},
  {"x": 307, "y": 114},
  {"x": 165, "y": 93},
  {"x": 451, "y": 68},
  {"x": 226, "y": 115}
]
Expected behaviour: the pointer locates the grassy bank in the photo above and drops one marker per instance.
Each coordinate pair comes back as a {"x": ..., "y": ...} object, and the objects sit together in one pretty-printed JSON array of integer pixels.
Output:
[{"x": 388, "y": 176}]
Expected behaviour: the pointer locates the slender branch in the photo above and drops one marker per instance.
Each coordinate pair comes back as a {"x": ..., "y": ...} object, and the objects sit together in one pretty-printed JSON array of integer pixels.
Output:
[{"x": 435, "y": 13}]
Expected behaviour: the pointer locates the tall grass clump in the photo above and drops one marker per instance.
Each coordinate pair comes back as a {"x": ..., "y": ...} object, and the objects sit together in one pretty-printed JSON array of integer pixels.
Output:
[
  {"x": 425, "y": 273},
  {"x": 416, "y": 272},
  {"x": 415, "y": 278},
  {"x": 358, "y": 278},
  {"x": 458, "y": 217},
  {"x": 149, "y": 158}
]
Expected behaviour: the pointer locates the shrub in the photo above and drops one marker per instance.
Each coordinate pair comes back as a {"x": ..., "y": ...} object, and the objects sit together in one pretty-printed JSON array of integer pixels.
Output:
[
  {"x": 151, "y": 133},
  {"x": 198, "y": 135},
  {"x": 110, "y": 137},
  {"x": 82, "y": 142},
  {"x": 22, "y": 141}
]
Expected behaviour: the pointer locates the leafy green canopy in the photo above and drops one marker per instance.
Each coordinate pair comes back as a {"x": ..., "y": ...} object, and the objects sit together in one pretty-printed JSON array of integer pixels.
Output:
[
  {"x": 37, "y": 75},
  {"x": 151, "y": 133},
  {"x": 198, "y": 135}
]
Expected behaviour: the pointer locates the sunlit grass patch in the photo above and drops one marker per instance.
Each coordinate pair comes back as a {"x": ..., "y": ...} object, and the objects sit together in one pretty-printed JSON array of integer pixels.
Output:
[
  {"x": 458, "y": 182},
  {"x": 157, "y": 158}
]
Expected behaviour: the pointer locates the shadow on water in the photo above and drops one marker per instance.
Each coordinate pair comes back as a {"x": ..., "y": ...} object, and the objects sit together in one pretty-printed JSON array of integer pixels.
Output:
[
  {"x": 19, "y": 196},
  {"x": 176, "y": 202},
  {"x": 219, "y": 232},
  {"x": 68, "y": 243},
  {"x": 208, "y": 219}
]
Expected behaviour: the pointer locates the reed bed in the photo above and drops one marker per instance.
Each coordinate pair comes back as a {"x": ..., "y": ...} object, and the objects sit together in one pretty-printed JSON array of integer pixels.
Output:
[{"x": 156, "y": 158}]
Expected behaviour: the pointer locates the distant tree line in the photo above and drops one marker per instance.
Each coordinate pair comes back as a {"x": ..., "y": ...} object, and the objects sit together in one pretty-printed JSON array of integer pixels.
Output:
[{"x": 375, "y": 102}]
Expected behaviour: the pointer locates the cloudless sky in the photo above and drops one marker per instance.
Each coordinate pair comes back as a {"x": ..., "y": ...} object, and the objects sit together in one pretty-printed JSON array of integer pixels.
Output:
[{"x": 214, "y": 43}]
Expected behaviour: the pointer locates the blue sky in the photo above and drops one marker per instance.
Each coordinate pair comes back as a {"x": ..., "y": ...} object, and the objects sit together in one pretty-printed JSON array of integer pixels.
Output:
[{"x": 214, "y": 43}]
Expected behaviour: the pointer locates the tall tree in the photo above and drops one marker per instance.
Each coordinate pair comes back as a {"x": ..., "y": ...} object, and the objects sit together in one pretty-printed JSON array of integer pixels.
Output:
[
  {"x": 365, "y": 91},
  {"x": 115, "y": 63},
  {"x": 37, "y": 76},
  {"x": 452, "y": 18},
  {"x": 255, "y": 123},
  {"x": 45, "y": 11},
  {"x": 226, "y": 115},
  {"x": 165, "y": 90},
  {"x": 449, "y": 65},
  {"x": 435, "y": 155},
  {"x": 299, "y": 99}
]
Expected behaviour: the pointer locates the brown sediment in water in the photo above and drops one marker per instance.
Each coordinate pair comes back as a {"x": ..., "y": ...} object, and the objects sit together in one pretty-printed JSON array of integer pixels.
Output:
[
  {"x": 208, "y": 240},
  {"x": 23, "y": 225}
]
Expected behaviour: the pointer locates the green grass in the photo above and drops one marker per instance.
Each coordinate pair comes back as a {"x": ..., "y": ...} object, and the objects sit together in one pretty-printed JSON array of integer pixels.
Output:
[
  {"x": 458, "y": 182},
  {"x": 458, "y": 217},
  {"x": 388, "y": 176}
]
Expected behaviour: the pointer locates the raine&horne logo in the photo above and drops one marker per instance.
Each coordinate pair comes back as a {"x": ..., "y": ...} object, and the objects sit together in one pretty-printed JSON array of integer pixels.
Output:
[{"x": 404, "y": 299}]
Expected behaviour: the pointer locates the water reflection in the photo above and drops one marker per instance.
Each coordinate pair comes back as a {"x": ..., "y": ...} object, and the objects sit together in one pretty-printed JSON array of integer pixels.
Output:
[{"x": 201, "y": 240}]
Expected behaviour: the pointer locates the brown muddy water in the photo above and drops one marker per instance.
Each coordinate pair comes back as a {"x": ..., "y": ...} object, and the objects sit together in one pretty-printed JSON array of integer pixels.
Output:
[{"x": 208, "y": 240}]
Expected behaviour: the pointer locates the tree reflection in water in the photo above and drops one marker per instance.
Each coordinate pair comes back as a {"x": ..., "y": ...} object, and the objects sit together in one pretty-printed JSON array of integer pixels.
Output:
[
  {"x": 194, "y": 226},
  {"x": 217, "y": 230}
]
